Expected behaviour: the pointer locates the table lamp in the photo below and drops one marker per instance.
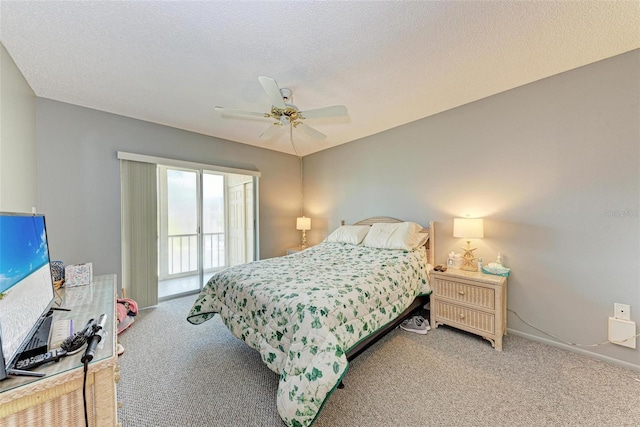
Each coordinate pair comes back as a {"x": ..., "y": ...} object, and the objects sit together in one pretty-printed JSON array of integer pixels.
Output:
[
  {"x": 468, "y": 228},
  {"x": 303, "y": 223}
]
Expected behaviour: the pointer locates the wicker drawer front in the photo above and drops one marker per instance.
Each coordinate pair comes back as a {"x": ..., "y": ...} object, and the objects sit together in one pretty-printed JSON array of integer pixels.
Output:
[
  {"x": 64, "y": 410},
  {"x": 470, "y": 294},
  {"x": 479, "y": 320}
]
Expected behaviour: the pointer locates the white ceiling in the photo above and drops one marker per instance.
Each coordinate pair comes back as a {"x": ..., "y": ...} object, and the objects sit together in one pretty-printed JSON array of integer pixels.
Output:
[{"x": 390, "y": 63}]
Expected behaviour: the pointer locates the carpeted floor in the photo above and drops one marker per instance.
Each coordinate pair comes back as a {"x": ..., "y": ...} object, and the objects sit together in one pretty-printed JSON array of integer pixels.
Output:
[{"x": 178, "y": 374}]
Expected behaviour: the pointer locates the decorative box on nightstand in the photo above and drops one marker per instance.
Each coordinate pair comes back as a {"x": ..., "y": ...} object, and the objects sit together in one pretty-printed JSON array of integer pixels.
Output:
[{"x": 471, "y": 301}]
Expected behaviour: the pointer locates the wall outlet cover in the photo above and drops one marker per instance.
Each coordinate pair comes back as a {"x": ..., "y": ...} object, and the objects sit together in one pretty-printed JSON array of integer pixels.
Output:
[{"x": 622, "y": 311}]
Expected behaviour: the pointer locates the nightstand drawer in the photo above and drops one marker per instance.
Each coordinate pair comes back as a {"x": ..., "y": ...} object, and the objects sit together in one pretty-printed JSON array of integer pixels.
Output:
[
  {"x": 467, "y": 293},
  {"x": 479, "y": 320}
]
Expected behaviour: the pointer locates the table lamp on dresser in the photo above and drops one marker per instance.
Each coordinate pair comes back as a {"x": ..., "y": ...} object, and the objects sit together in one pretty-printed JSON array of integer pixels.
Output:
[
  {"x": 303, "y": 223},
  {"x": 468, "y": 228}
]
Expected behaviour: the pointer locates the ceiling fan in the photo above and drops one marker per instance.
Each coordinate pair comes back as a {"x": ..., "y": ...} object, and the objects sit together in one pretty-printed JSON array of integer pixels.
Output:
[{"x": 284, "y": 113}]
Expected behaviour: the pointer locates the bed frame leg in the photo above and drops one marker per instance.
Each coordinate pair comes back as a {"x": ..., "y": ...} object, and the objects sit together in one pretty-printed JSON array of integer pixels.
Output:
[{"x": 341, "y": 385}]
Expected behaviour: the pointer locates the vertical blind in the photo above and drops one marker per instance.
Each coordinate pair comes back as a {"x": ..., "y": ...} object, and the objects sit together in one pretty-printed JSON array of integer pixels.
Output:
[{"x": 139, "y": 231}]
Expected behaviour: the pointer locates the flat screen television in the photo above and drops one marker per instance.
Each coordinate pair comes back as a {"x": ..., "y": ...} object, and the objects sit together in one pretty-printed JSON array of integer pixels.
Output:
[{"x": 26, "y": 285}]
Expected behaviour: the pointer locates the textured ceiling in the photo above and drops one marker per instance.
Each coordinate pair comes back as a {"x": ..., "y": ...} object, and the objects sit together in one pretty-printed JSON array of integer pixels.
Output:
[{"x": 390, "y": 63}]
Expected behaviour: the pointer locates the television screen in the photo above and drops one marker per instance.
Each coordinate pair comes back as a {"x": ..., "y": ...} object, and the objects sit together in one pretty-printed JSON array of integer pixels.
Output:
[{"x": 26, "y": 286}]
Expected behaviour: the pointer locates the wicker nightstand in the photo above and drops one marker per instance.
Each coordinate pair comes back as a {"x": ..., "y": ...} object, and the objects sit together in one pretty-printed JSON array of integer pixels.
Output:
[{"x": 471, "y": 301}]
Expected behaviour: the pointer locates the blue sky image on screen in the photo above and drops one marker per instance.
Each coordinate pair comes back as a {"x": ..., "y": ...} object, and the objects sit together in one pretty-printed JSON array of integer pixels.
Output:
[
  {"x": 23, "y": 248},
  {"x": 26, "y": 286}
]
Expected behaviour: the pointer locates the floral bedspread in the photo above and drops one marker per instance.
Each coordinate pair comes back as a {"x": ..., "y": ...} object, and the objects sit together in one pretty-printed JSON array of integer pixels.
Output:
[{"x": 304, "y": 311}]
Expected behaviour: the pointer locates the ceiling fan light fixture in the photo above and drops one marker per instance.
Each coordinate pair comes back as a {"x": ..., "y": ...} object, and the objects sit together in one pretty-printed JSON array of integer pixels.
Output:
[{"x": 286, "y": 94}]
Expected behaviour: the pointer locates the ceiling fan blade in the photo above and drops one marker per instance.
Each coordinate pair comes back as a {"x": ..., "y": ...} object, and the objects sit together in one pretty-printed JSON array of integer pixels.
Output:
[
  {"x": 271, "y": 131},
  {"x": 231, "y": 111},
  {"x": 273, "y": 91},
  {"x": 336, "y": 110},
  {"x": 311, "y": 131}
]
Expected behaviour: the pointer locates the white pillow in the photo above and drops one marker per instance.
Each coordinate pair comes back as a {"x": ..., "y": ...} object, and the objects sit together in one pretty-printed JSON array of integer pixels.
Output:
[
  {"x": 349, "y": 234},
  {"x": 402, "y": 235},
  {"x": 422, "y": 239}
]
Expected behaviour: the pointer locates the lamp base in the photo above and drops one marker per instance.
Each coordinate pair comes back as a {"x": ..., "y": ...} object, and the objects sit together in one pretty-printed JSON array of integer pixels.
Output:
[{"x": 468, "y": 258}]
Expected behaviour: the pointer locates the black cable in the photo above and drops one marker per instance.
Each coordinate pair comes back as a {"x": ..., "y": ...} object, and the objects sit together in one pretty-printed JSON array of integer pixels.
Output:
[
  {"x": 84, "y": 394},
  {"x": 94, "y": 337}
]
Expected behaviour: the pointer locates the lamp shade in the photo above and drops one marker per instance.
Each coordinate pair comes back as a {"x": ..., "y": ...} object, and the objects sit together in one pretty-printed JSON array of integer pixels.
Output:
[
  {"x": 303, "y": 223},
  {"x": 469, "y": 228}
]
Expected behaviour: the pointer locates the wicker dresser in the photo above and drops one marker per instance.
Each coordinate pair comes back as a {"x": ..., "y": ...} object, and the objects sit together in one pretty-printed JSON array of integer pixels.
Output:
[
  {"x": 56, "y": 398},
  {"x": 472, "y": 301}
]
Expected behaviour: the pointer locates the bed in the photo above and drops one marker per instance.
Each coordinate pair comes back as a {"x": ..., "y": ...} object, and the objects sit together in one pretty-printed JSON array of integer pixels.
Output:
[{"x": 310, "y": 313}]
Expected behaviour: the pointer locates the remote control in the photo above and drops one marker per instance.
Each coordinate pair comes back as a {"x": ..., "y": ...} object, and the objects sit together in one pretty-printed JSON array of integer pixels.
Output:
[{"x": 40, "y": 359}]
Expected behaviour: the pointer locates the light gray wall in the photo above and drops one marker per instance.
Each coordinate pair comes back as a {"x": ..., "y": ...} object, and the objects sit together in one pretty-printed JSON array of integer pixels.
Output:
[
  {"x": 79, "y": 179},
  {"x": 553, "y": 167},
  {"x": 18, "y": 165}
]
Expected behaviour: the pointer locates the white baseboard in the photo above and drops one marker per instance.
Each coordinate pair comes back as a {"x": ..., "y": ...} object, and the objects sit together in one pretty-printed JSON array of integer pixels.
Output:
[{"x": 573, "y": 349}]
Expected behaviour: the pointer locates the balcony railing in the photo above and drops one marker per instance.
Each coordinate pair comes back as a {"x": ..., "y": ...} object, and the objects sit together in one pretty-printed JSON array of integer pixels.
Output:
[{"x": 183, "y": 252}]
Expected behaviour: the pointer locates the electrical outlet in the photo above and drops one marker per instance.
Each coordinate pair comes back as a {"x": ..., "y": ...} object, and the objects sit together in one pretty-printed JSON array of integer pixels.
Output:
[{"x": 622, "y": 311}]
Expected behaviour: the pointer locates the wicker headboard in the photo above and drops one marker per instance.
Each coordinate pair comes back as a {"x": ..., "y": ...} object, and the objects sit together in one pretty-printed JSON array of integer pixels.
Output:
[{"x": 430, "y": 245}]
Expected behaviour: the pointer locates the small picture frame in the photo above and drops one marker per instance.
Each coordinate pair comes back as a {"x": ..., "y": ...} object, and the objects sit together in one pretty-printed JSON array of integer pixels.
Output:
[{"x": 78, "y": 274}]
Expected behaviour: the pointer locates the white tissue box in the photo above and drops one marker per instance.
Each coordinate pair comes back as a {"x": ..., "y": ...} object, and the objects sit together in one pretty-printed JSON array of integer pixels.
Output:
[{"x": 78, "y": 274}]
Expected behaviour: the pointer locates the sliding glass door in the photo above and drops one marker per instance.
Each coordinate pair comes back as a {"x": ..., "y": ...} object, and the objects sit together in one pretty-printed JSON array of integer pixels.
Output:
[
  {"x": 205, "y": 223},
  {"x": 213, "y": 222},
  {"x": 241, "y": 219}
]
